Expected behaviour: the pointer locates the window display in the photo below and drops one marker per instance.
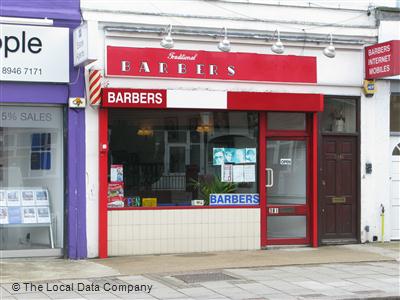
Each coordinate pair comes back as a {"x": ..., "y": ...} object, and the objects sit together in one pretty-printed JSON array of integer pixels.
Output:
[
  {"x": 31, "y": 177},
  {"x": 169, "y": 158},
  {"x": 339, "y": 115}
]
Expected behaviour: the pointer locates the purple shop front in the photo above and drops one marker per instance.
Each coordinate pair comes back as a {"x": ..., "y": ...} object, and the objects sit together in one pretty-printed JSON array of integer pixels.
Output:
[{"x": 42, "y": 140}]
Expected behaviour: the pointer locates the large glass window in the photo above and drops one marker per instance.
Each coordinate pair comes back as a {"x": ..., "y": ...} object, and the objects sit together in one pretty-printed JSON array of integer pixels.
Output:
[
  {"x": 395, "y": 113},
  {"x": 173, "y": 157},
  {"x": 31, "y": 177}
]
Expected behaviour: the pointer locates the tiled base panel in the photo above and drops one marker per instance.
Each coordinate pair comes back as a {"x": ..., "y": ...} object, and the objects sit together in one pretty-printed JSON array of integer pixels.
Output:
[{"x": 135, "y": 232}]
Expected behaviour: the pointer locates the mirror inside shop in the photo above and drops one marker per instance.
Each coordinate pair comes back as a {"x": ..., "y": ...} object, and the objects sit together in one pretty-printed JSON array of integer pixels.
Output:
[{"x": 182, "y": 158}]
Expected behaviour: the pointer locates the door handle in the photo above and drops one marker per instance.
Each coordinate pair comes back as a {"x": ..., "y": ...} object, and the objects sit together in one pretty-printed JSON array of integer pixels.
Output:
[
  {"x": 270, "y": 177},
  {"x": 323, "y": 182}
]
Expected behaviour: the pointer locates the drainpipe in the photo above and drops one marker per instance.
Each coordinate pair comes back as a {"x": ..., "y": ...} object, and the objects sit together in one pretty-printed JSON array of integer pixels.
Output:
[{"x": 382, "y": 222}]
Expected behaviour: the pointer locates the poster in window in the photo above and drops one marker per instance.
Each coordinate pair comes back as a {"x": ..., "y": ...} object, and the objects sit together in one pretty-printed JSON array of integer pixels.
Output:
[
  {"x": 43, "y": 214},
  {"x": 240, "y": 156},
  {"x": 3, "y": 215},
  {"x": 238, "y": 173},
  {"x": 3, "y": 200},
  {"x": 218, "y": 156},
  {"x": 117, "y": 173},
  {"x": 42, "y": 197},
  {"x": 29, "y": 215},
  {"x": 251, "y": 155},
  {"x": 14, "y": 215},
  {"x": 229, "y": 155},
  {"x": 27, "y": 198},
  {"x": 249, "y": 173},
  {"x": 13, "y": 198},
  {"x": 226, "y": 173},
  {"x": 115, "y": 195}
]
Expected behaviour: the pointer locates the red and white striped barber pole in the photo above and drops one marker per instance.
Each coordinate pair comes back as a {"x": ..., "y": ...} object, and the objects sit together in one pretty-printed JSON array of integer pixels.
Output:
[{"x": 95, "y": 87}]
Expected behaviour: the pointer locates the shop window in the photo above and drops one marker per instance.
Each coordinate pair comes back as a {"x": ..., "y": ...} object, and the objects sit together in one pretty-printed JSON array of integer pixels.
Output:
[
  {"x": 169, "y": 158},
  {"x": 339, "y": 115},
  {"x": 395, "y": 113},
  {"x": 31, "y": 178},
  {"x": 286, "y": 121}
]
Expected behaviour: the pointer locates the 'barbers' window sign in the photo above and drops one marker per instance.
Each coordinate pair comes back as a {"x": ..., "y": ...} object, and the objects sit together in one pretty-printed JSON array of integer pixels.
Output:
[
  {"x": 34, "y": 53},
  {"x": 234, "y": 199}
]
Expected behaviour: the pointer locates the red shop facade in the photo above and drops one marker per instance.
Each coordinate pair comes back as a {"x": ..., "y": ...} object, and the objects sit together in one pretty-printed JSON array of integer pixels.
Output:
[{"x": 186, "y": 169}]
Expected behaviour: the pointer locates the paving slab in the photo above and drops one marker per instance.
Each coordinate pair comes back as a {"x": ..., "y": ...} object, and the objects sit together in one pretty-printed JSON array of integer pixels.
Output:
[{"x": 336, "y": 279}]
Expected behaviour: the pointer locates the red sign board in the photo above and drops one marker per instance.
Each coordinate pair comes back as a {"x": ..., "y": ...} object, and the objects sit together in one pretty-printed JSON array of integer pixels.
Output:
[
  {"x": 187, "y": 64},
  {"x": 138, "y": 98},
  {"x": 382, "y": 60}
]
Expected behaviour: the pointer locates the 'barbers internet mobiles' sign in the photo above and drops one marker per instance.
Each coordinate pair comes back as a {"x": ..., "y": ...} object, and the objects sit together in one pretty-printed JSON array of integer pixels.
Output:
[{"x": 34, "y": 53}]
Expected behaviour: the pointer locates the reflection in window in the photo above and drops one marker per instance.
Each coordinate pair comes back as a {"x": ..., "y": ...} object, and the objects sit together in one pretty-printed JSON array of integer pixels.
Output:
[
  {"x": 286, "y": 121},
  {"x": 396, "y": 150},
  {"x": 339, "y": 115},
  {"x": 177, "y": 153}
]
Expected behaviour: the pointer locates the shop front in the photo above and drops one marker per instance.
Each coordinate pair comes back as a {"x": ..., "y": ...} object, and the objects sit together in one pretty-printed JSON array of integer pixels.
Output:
[
  {"x": 41, "y": 207},
  {"x": 206, "y": 169}
]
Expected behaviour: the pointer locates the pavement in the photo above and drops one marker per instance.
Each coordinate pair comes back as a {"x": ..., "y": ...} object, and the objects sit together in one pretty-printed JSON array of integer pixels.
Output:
[{"x": 358, "y": 271}]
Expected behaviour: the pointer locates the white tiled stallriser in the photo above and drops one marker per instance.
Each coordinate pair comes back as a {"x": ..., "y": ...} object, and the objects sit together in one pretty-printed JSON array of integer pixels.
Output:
[{"x": 135, "y": 232}]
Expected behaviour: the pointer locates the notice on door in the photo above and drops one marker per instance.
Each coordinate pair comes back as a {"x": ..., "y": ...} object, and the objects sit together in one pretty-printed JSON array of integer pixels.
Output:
[{"x": 285, "y": 161}]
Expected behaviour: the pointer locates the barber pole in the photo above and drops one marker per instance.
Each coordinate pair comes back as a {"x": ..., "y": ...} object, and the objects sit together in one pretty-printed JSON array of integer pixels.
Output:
[{"x": 95, "y": 87}]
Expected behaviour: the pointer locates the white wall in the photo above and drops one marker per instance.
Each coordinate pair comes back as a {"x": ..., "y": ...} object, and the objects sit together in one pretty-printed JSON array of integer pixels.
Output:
[
  {"x": 135, "y": 232},
  {"x": 375, "y": 187},
  {"x": 92, "y": 181}
]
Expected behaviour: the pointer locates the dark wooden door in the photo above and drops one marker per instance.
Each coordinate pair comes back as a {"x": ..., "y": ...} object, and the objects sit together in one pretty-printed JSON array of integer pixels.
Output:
[{"x": 338, "y": 190}]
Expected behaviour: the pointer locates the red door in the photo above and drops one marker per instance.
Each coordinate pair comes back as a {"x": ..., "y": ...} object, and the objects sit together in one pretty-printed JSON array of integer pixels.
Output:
[{"x": 287, "y": 191}]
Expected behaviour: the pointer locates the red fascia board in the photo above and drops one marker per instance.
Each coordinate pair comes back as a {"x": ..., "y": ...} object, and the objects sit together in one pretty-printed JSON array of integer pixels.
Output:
[{"x": 275, "y": 101}]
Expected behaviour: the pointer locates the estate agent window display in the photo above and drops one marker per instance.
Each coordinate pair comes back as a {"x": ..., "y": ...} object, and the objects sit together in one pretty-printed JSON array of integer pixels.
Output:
[
  {"x": 31, "y": 178},
  {"x": 178, "y": 157}
]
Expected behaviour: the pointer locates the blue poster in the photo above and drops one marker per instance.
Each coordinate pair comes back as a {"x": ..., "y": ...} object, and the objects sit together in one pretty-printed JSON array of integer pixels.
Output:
[
  {"x": 14, "y": 215},
  {"x": 240, "y": 156},
  {"x": 218, "y": 156},
  {"x": 251, "y": 155},
  {"x": 229, "y": 155}
]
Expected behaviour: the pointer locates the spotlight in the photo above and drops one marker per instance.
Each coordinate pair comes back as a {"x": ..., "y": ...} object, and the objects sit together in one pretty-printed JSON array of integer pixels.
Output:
[
  {"x": 225, "y": 45},
  {"x": 278, "y": 46},
  {"x": 330, "y": 50},
  {"x": 167, "y": 41}
]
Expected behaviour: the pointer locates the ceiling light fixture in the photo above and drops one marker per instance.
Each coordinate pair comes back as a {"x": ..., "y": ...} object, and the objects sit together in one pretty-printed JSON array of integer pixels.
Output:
[
  {"x": 167, "y": 41},
  {"x": 278, "y": 47},
  {"x": 225, "y": 45},
  {"x": 330, "y": 50}
]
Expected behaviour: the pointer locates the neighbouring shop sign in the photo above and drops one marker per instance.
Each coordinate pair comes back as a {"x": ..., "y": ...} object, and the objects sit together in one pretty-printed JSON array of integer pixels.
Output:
[
  {"x": 34, "y": 53},
  {"x": 382, "y": 60},
  {"x": 84, "y": 46},
  {"x": 188, "y": 64},
  {"x": 234, "y": 199}
]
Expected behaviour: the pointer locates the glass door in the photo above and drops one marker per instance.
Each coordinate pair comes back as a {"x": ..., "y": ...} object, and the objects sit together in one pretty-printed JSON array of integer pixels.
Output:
[{"x": 286, "y": 190}]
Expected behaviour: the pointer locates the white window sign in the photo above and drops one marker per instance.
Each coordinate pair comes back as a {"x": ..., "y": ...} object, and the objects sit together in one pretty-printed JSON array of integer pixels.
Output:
[
  {"x": 30, "y": 117},
  {"x": 286, "y": 161},
  {"x": 34, "y": 53}
]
